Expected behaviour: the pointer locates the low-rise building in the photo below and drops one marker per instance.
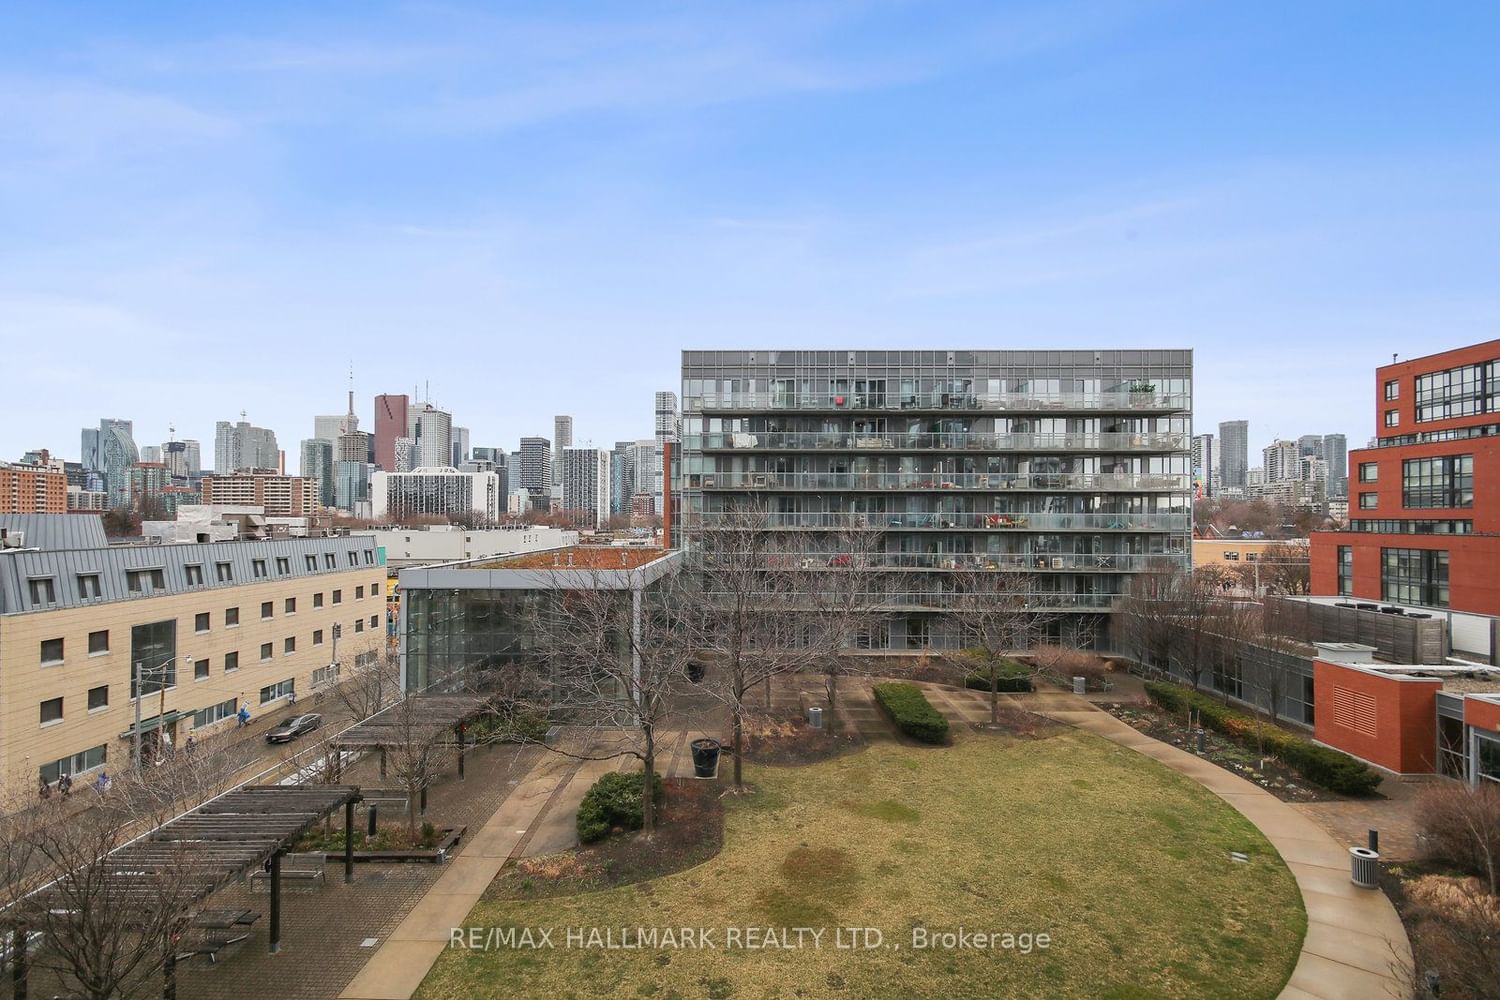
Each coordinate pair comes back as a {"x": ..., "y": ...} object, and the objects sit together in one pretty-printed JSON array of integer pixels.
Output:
[
  {"x": 440, "y": 491},
  {"x": 281, "y": 496},
  {"x": 445, "y": 543},
  {"x": 32, "y": 489}
]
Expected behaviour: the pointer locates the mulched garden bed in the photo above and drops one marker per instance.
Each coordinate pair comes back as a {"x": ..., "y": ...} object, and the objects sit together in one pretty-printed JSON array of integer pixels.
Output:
[
  {"x": 1281, "y": 781},
  {"x": 1020, "y": 724},
  {"x": 790, "y": 742},
  {"x": 690, "y": 830},
  {"x": 1439, "y": 940}
]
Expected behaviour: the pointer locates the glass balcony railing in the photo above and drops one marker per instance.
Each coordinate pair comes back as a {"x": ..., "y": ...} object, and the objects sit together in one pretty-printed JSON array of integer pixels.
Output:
[
  {"x": 927, "y": 600},
  {"x": 1101, "y": 481},
  {"x": 1010, "y": 402},
  {"x": 951, "y": 521},
  {"x": 968, "y": 561},
  {"x": 959, "y": 441}
]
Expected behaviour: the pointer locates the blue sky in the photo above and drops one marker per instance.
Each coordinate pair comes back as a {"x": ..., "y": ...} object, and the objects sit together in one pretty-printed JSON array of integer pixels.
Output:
[{"x": 211, "y": 207}]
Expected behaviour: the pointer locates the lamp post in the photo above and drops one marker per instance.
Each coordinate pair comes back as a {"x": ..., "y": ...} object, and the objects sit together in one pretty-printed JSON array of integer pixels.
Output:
[{"x": 140, "y": 683}]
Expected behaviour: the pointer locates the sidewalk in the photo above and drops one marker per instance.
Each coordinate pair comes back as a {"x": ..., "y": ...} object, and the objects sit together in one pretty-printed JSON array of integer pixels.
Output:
[{"x": 1354, "y": 936}]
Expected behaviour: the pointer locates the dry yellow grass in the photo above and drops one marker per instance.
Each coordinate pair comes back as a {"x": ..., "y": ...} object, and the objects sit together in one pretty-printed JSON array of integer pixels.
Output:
[{"x": 1123, "y": 863}]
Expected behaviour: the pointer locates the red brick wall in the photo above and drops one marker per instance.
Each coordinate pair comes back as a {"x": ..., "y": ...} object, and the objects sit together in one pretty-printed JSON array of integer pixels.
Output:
[
  {"x": 1389, "y": 722},
  {"x": 1482, "y": 714}
]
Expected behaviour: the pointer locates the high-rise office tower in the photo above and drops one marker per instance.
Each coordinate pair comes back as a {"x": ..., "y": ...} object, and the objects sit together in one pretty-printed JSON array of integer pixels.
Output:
[
  {"x": 151, "y": 454},
  {"x": 667, "y": 421},
  {"x": 460, "y": 445},
  {"x": 109, "y": 453},
  {"x": 1072, "y": 466},
  {"x": 317, "y": 464},
  {"x": 431, "y": 431},
  {"x": 536, "y": 470},
  {"x": 1336, "y": 456},
  {"x": 584, "y": 483},
  {"x": 242, "y": 445},
  {"x": 1310, "y": 444},
  {"x": 1234, "y": 453},
  {"x": 562, "y": 433},
  {"x": 1203, "y": 464},
  {"x": 621, "y": 478},
  {"x": 391, "y": 417}
]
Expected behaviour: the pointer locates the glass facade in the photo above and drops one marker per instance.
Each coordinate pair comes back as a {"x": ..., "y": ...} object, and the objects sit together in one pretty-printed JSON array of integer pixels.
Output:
[
  {"x": 1459, "y": 392},
  {"x": 1414, "y": 576},
  {"x": 1346, "y": 569},
  {"x": 1446, "y": 481},
  {"x": 153, "y": 653}
]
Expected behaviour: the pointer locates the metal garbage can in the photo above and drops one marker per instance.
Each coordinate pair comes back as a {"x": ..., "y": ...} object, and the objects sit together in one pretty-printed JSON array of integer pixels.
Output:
[
  {"x": 815, "y": 717},
  {"x": 1364, "y": 867},
  {"x": 705, "y": 757},
  {"x": 1080, "y": 685}
]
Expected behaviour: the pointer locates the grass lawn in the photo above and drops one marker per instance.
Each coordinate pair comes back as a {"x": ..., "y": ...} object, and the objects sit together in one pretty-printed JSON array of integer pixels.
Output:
[{"x": 1124, "y": 864}]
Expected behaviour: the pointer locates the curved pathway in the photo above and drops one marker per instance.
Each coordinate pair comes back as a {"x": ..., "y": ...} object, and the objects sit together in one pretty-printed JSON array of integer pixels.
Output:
[{"x": 1355, "y": 946}]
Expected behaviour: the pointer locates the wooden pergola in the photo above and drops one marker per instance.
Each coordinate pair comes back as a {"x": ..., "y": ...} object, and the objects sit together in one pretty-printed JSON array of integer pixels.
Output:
[
  {"x": 430, "y": 712},
  {"x": 203, "y": 851}
]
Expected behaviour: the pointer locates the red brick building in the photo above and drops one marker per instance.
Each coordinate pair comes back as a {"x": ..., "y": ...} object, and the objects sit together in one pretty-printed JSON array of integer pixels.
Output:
[
  {"x": 1424, "y": 505},
  {"x": 30, "y": 489}
]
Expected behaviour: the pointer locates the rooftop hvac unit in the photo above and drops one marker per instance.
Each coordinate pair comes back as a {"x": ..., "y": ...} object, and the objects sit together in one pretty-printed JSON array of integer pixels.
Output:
[{"x": 12, "y": 539}]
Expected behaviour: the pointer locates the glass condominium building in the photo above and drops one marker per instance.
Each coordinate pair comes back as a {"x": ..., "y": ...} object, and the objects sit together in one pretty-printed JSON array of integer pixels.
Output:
[{"x": 1074, "y": 466}]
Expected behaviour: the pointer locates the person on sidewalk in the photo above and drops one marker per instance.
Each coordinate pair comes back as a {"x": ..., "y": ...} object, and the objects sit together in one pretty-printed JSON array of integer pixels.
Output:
[
  {"x": 43, "y": 790},
  {"x": 65, "y": 784},
  {"x": 244, "y": 716}
]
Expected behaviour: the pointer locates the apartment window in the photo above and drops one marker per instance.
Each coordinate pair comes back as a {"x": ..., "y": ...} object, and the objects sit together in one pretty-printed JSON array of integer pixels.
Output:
[
  {"x": 359, "y": 624},
  {"x": 317, "y": 637},
  {"x": 283, "y": 565},
  {"x": 353, "y": 558},
  {"x": 258, "y": 568},
  {"x": 1369, "y": 472},
  {"x": 374, "y": 621},
  {"x": 231, "y": 617},
  {"x": 265, "y": 610},
  {"x": 311, "y": 562},
  {"x": 279, "y": 690},
  {"x": 153, "y": 657},
  {"x": 1458, "y": 392},
  {"x": 330, "y": 560},
  {"x": 338, "y": 597},
  {"x": 52, "y": 651},
  {"x": 194, "y": 574},
  {"x": 1392, "y": 418},
  {"x": 224, "y": 572},
  {"x": 231, "y": 662},
  {"x": 289, "y": 645},
  {"x": 265, "y": 652},
  {"x": 200, "y": 622},
  {"x": 1393, "y": 389},
  {"x": 200, "y": 670},
  {"x": 88, "y": 586},
  {"x": 85, "y": 760},
  {"x": 99, "y": 697},
  {"x": 370, "y": 556},
  {"x": 51, "y": 711},
  {"x": 1447, "y": 481},
  {"x": 99, "y": 642},
  {"x": 43, "y": 591},
  {"x": 359, "y": 592},
  {"x": 1414, "y": 576},
  {"x": 323, "y": 676},
  {"x": 1368, "y": 501},
  {"x": 318, "y": 599},
  {"x": 143, "y": 581},
  {"x": 216, "y": 713},
  {"x": 290, "y": 606},
  {"x": 1346, "y": 569}
]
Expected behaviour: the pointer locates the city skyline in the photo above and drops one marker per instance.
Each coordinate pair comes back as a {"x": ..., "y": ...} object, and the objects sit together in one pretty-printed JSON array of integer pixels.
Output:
[{"x": 450, "y": 179}]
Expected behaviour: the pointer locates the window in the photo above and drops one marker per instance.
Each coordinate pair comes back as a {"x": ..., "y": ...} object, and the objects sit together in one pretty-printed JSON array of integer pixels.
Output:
[
  {"x": 374, "y": 621},
  {"x": 1458, "y": 392},
  {"x": 258, "y": 568},
  {"x": 99, "y": 642},
  {"x": 265, "y": 652},
  {"x": 1392, "y": 418},
  {"x": 1232, "y": 556},
  {"x": 266, "y": 611},
  {"x": 231, "y": 662},
  {"x": 359, "y": 592},
  {"x": 1403, "y": 526},
  {"x": 370, "y": 556},
  {"x": 323, "y": 676},
  {"x": 153, "y": 657},
  {"x": 1414, "y": 576},
  {"x": 353, "y": 558},
  {"x": 1369, "y": 472},
  {"x": 311, "y": 562},
  {"x": 224, "y": 572},
  {"x": 51, "y": 711},
  {"x": 317, "y": 637},
  {"x": 216, "y": 713},
  {"x": 1346, "y": 569},
  {"x": 338, "y": 597},
  {"x": 289, "y": 645},
  {"x": 318, "y": 599},
  {"x": 78, "y": 763},
  {"x": 330, "y": 560},
  {"x": 143, "y": 581},
  {"x": 43, "y": 592},
  {"x": 1447, "y": 481},
  {"x": 200, "y": 670},
  {"x": 290, "y": 607},
  {"x": 359, "y": 624},
  {"x": 52, "y": 651},
  {"x": 200, "y": 622},
  {"x": 1393, "y": 389},
  {"x": 194, "y": 574},
  {"x": 279, "y": 690},
  {"x": 1368, "y": 501},
  {"x": 231, "y": 617},
  {"x": 283, "y": 565},
  {"x": 88, "y": 586},
  {"x": 98, "y": 697}
]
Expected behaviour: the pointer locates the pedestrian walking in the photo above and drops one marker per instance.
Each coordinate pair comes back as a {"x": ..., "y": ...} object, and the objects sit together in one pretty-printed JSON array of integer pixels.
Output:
[{"x": 43, "y": 790}]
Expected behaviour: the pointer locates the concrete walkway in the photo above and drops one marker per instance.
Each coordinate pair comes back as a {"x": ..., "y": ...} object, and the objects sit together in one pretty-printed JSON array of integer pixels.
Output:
[{"x": 1355, "y": 940}]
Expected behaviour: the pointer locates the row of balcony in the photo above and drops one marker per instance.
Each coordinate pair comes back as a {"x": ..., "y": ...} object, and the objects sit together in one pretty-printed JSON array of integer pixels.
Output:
[
  {"x": 968, "y": 561},
  {"x": 960, "y": 440},
  {"x": 1104, "y": 481},
  {"x": 955, "y": 521},
  {"x": 928, "y": 600},
  {"x": 1005, "y": 401}
]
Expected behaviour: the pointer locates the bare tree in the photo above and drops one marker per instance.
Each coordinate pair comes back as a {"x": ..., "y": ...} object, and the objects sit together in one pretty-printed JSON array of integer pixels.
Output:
[
  {"x": 373, "y": 681},
  {"x": 846, "y": 600},
  {"x": 1197, "y": 612},
  {"x": 1285, "y": 569},
  {"x": 614, "y": 658},
  {"x": 995, "y": 617},
  {"x": 416, "y": 750},
  {"x": 1147, "y": 614}
]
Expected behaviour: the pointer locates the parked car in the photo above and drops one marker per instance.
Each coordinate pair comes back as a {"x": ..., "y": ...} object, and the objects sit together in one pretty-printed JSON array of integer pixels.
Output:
[{"x": 297, "y": 725}]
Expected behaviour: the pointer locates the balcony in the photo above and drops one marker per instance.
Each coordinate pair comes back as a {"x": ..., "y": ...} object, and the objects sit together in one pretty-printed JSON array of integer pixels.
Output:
[
  {"x": 743, "y": 402},
  {"x": 939, "y": 481},
  {"x": 956, "y": 521},
  {"x": 962, "y": 441},
  {"x": 970, "y": 561}
]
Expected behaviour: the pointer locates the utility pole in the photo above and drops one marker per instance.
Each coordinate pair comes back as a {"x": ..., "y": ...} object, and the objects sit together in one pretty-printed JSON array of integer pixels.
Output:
[{"x": 140, "y": 692}]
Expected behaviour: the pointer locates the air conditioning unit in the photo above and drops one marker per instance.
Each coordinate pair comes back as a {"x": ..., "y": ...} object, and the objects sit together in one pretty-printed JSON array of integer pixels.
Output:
[{"x": 12, "y": 539}]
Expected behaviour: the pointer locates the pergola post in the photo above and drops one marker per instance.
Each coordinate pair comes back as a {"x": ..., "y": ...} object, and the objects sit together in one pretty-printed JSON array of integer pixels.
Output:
[
  {"x": 424, "y": 799},
  {"x": 169, "y": 971},
  {"x": 349, "y": 841},
  {"x": 382, "y": 762},
  {"x": 275, "y": 933},
  {"x": 370, "y": 812},
  {"x": 18, "y": 961},
  {"x": 459, "y": 731}
]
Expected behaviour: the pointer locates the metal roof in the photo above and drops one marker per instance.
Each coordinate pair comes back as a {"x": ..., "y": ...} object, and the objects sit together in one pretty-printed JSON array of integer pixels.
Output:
[{"x": 53, "y": 532}]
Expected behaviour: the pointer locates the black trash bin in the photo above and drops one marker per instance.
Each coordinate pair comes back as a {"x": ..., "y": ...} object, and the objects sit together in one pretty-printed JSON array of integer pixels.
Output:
[{"x": 705, "y": 757}]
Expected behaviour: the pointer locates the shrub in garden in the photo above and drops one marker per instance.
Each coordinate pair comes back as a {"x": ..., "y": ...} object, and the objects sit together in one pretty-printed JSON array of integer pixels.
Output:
[
  {"x": 1009, "y": 676},
  {"x": 1063, "y": 663},
  {"x": 1323, "y": 766},
  {"x": 912, "y": 713},
  {"x": 613, "y": 801},
  {"x": 1462, "y": 825}
]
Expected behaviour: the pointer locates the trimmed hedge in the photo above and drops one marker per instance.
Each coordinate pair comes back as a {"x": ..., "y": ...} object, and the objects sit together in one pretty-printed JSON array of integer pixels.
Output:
[
  {"x": 613, "y": 801},
  {"x": 912, "y": 713},
  {"x": 1006, "y": 680},
  {"x": 1324, "y": 766}
]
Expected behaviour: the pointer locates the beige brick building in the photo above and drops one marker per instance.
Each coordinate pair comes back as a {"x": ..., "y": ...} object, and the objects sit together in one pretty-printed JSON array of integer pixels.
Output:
[{"x": 225, "y": 625}]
